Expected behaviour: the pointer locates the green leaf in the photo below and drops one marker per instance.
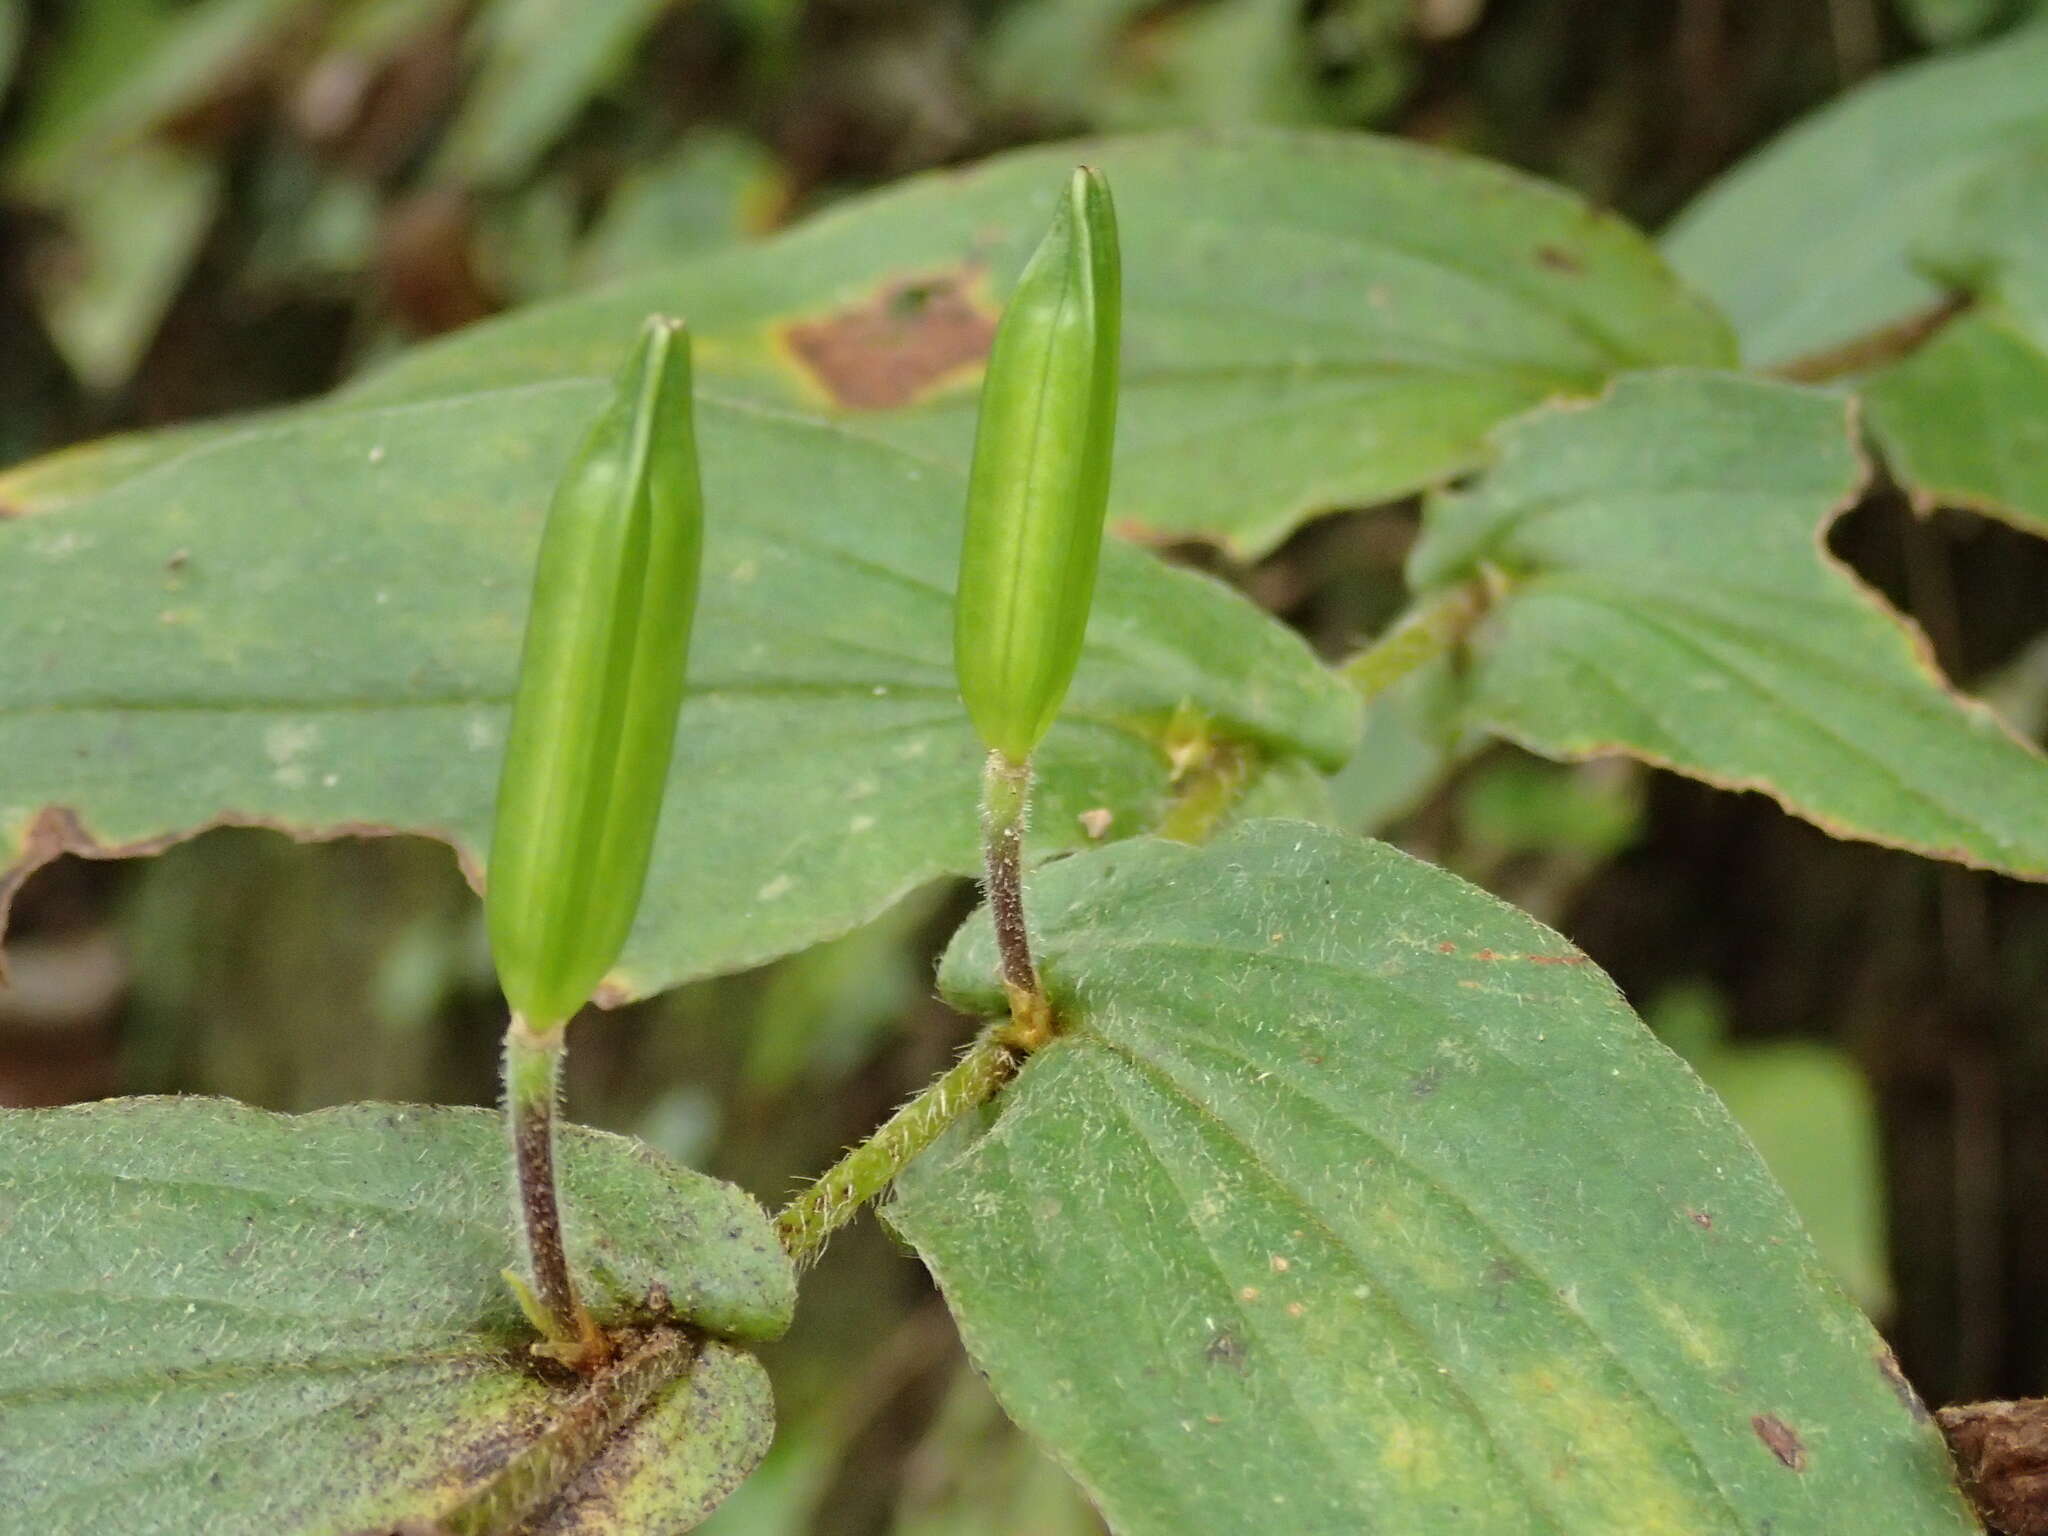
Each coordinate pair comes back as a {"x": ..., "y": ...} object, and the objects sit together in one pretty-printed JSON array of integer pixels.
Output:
[
  {"x": 712, "y": 189},
  {"x": 282, "y": 1324},
  {"x": 1810, "y": 1114},
  {"x": 1353, "y": 1199},
  {"x": 1127, "y": 64},
  {"x": 1664, "y": 593},
  {"x": 123, "y": 69},
  {"x": 1942, "y": 23},
  {"x": 1414, "y": 736},
  {"x": 1311, "y": 320},
  {"x": 313, "y": 622},
  {"x": 1964, "y": 420},
  {"x": 130, "y": 232},
  {"x": 1812, "y": 1117},
  {"x": 543, "y": 60},
  {"x": 1810, "y": 242}
]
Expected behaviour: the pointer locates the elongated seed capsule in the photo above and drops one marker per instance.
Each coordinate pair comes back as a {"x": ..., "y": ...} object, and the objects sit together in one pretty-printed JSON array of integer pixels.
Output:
[
  {"x": 600, "y": 682},
  {"x": 1040, "y": 483}
]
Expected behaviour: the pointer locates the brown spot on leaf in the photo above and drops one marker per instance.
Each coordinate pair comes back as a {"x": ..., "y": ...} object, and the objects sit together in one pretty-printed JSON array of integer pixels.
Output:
[
  {"x": 1225, "y": 1348},
  {"x": 9, "y": 511},
  {"x": 1557, "y": 259},
  {"x": 1558, "y": 959},
  {"x": 1781, "y": 1439},
  {"x": 1702, "y": 1220},
  {"x": 889, "y": 350},
  {"x": 2001, "y": 1452},
  {"x": 1447, "y": 948}
]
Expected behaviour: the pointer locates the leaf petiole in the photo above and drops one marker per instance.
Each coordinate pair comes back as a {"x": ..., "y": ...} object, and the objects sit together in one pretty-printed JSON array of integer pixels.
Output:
[
  {"x": 1430, "y": 629},
  {"x": 868, "y": 1170}
]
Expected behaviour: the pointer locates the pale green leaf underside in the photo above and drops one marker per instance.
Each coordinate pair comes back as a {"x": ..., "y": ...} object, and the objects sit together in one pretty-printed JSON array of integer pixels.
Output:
[
  {"x": 1812, "y": 241},
  {"x": 1357, "y": 1201},
  {"x": 1312, "y": 320},
  {"x": 1668, "y": 597},
  {"x": 314, "y": 623},
  {"x": 215, "y": 1320}
]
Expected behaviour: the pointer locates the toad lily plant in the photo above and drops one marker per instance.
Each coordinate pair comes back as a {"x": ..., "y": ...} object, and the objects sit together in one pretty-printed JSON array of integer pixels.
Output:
[
  {"x": 586, "y": 764},
  {"x": 603, "y": 674},
  {"x": 1282, "y": 1181}
]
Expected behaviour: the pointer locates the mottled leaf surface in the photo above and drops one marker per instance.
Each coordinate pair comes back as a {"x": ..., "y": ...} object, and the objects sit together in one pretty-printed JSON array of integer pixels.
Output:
[
  {"x": 313, "y": 622},
  {"x": 1355, "y": 1200},
  {"x": 1311, "y": 320},
  {"x": 215, "y": 1320},
  {"x": 1811, "y": 241},
  {"x": 1663, "y": 592}
]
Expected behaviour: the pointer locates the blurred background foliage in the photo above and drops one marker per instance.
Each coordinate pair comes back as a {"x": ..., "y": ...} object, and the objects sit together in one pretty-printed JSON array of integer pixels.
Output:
[{"x": 220, "y": 205}]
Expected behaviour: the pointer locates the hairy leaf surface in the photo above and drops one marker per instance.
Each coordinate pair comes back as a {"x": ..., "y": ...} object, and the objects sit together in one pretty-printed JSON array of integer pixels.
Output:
[
  {"x": 1355, "y": 1200},
  {"x": 215, "y": 1321},
  {"x": 1664, "y": 593}
]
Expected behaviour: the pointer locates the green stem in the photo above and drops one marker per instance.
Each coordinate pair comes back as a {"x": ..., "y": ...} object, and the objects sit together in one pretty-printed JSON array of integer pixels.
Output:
[
  {"x": 1005, "y": 809},
  {"x": 865, "y": 1172},
  {"x": 1425, "y": 632},
  {"x": 533, "y": 1070}
]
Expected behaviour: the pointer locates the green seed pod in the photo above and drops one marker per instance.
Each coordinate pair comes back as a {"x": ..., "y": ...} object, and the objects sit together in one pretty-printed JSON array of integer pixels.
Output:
[
  {"x": 1040, "y": 484},
  {"x": 600, "y": 682}
]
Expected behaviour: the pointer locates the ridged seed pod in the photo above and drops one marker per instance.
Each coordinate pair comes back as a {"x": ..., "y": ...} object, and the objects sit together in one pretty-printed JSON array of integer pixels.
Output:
[
  {"x": 1040, "y": 482},
  {"x": 601, "y": 680}
]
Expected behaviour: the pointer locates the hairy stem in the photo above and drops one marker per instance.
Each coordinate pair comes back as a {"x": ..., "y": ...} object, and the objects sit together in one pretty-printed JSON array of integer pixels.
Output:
[
  {"x": 533, "y": 1068},
  {"x": 865, "y": 1172},
  {"x": 1425, "y": 632},
  {"x": 1005, "y": 809}
]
